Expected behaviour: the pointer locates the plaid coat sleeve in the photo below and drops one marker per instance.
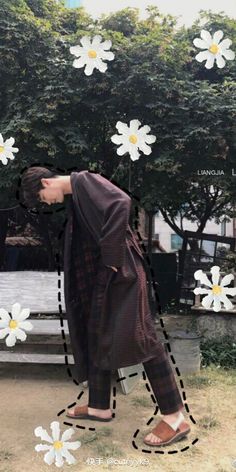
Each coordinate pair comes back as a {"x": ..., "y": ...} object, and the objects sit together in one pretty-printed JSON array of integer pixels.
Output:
[{"x": 107, "y": 210}]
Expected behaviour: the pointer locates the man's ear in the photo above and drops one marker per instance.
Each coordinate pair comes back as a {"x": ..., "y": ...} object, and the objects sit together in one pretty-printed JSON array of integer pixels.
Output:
[{"x": 45, "y": 182}]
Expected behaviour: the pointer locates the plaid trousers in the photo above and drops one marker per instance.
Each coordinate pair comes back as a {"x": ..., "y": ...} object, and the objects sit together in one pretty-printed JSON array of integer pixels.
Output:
[
  {"x": 158, "y": 369},
  {"x": 159, "y": 374}
]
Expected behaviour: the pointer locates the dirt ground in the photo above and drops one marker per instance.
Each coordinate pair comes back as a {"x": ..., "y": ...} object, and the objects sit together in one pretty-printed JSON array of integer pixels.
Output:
[{"x": 32, "y": 396}]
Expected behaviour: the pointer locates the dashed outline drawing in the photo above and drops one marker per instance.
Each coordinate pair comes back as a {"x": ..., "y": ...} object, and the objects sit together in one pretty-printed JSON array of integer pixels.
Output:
[{"x": 57, "y": 257}]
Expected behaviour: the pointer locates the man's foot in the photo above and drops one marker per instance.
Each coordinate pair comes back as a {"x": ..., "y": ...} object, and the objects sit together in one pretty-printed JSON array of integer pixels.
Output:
[
  {"x": 85, "y": 409},
  {"x": 174, "y": 420},
  {"x": 100, "y": 413}
]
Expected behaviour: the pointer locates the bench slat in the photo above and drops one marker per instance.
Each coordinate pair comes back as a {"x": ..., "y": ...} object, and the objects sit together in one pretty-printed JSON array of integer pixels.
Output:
[
  {"x": 36, "y": 290},
  {"x": 35, "y": 358}
]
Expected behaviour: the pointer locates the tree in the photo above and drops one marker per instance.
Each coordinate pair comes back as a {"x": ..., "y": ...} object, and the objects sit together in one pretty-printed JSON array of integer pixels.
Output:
[{"x": 60, "y": 116}]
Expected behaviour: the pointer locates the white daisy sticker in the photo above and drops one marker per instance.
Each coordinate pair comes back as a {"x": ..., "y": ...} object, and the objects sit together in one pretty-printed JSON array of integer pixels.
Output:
[
  {"x": 14, "y": 326},
  {"x": 132, "y": 139},
  {"x": 215, "y": 49},
  {"x": 6, "y": 149},
  {"x": 92, "y": 54},
  {"x": 57, "y": 448},
  {"x": 217, "y": 292}
]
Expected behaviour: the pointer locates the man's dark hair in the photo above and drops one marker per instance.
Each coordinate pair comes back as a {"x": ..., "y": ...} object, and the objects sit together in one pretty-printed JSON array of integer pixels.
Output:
[{"x": 31, "y": 184}]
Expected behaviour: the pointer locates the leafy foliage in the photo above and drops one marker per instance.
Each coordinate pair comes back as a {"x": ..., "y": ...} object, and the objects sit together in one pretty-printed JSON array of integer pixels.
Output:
[{"x": 59, "y": 115}]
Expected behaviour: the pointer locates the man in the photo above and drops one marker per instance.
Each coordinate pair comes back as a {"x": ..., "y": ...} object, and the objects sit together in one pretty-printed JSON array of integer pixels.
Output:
[{"x": 106, "y": 299}]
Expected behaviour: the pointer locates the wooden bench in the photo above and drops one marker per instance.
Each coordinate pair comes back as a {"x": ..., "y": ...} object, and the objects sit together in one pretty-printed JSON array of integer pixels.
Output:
[{"x": 38, "y": 291}]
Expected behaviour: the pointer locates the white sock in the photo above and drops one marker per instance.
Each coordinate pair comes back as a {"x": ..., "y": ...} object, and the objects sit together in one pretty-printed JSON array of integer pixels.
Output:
[{"x": 176, "y": 424}]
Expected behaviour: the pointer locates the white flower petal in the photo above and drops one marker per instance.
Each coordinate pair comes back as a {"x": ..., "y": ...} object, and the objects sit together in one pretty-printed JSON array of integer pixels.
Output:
[
  {"x": 23, "y": 314},
  {"x": 216, "y": 303},
  {"x": 134, "y": 125},
  {"x": 76, "y": 50},
  {"x": 68, "y": 456},
  {"x": 58, "y": 459},
  {"x": 9, "y": 155},
  {"x": 11, "y": 339},
  {"x": 215, "y": 271},
  {"x": 145, "y": 148},
  {"x": 210, "y": 61},
  {"x": 67, "y": 434},
  {"x": 206, "y": 36},
  {"x": 200, "y": 43},
  {"x": 144, "y": 130},
  {"x": 102, "y": 66},
  {"x": 96, "y": 40},
  {"x": 55, "y": 427},
  {"x": 78, "y": 63},
  {"x": 202, "y": 56},
  {"x": 200, "y": 290},
  {"x": 107, "y": 56},
  {"x": 218, "y": 35},
  {"x": 86, "y": 41},
  {"x": 43, "y": 434},
  {"x": 227, "y": 303},
  {"x": 9, "y": 142},
  {"x": 226, "y": 280},
  {"x": 26, "y": 325},
  {"x": 14, "y": 149},
  {"x": 122, "y": 128},
  {"x": 229, "y": 291},
  {"x": 228, "y": 54},
  {"x": 4, "y": 315},
  {"x": 42, "y": 447},
  {"x": 15, "y": 311},
  {"x": 220, "y": 61},
  {"x": 207, "y": 301},
  {"x": 106, "y": 44},
  {"x": 122, "y": 150},
  {"x": 150, "y": 139},
  {"x": 72, "y": 445},
  {"x": 117, "y": 139},
  {"x": 199, "y": 275},
  {"x": 1, "y": 140},
  {"x": 4, "y": 160},
  {"x": 89, "y": 69},
  {"x": 50, "y": 456},
  {"x": 134, "y": 154},
  {"x": 225, "y": 44},
  {"x": 20, "y": 334},
  {"x": 4, "y": 332}
]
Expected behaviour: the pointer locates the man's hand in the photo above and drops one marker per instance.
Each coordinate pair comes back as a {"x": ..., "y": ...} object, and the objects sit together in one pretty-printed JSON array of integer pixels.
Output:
[{"x": 114, "y": 268}]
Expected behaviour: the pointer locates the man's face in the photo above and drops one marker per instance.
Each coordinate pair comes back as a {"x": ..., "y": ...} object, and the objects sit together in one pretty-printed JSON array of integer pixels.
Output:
[{"x": 52, "y": 191}]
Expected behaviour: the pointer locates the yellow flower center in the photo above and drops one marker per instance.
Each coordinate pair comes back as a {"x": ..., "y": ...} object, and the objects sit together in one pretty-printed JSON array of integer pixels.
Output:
[
  {"x": 216, "y": 289},
  {"x": 13, "y": 324},
  {"x": 1, "y": 148},
  {"x": 214, "y": 48},
  {"x": 133, "y": 139},
  {"x": 92, "y": 54},
  {"x": 57, "y": 444}
]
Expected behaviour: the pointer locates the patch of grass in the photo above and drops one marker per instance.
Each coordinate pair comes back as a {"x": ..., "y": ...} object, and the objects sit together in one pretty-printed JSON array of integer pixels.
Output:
[
  {"x": 104, "y": 449},
  {"x": 5, "y": 455},
  {"x": 208, "y": 422},
  {"x": 141, "y": 401},
  {"x": 198, "y": 381},
  {"x": 219, "y": 375},
  {"x": 94, "y": 436}
]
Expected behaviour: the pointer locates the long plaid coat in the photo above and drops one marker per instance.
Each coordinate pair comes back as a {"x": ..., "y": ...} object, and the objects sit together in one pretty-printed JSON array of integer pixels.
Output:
[{"x": 108, "y": 312}]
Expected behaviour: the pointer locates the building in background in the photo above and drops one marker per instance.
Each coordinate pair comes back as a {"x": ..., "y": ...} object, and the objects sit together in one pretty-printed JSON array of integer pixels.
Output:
[{"x": 71, "y": 3}]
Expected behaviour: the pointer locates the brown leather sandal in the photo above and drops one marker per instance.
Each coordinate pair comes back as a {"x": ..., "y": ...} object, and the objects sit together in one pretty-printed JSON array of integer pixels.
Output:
[
  {"x": 167, "y": 434},
  {"x": 81, "y": 412}
]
